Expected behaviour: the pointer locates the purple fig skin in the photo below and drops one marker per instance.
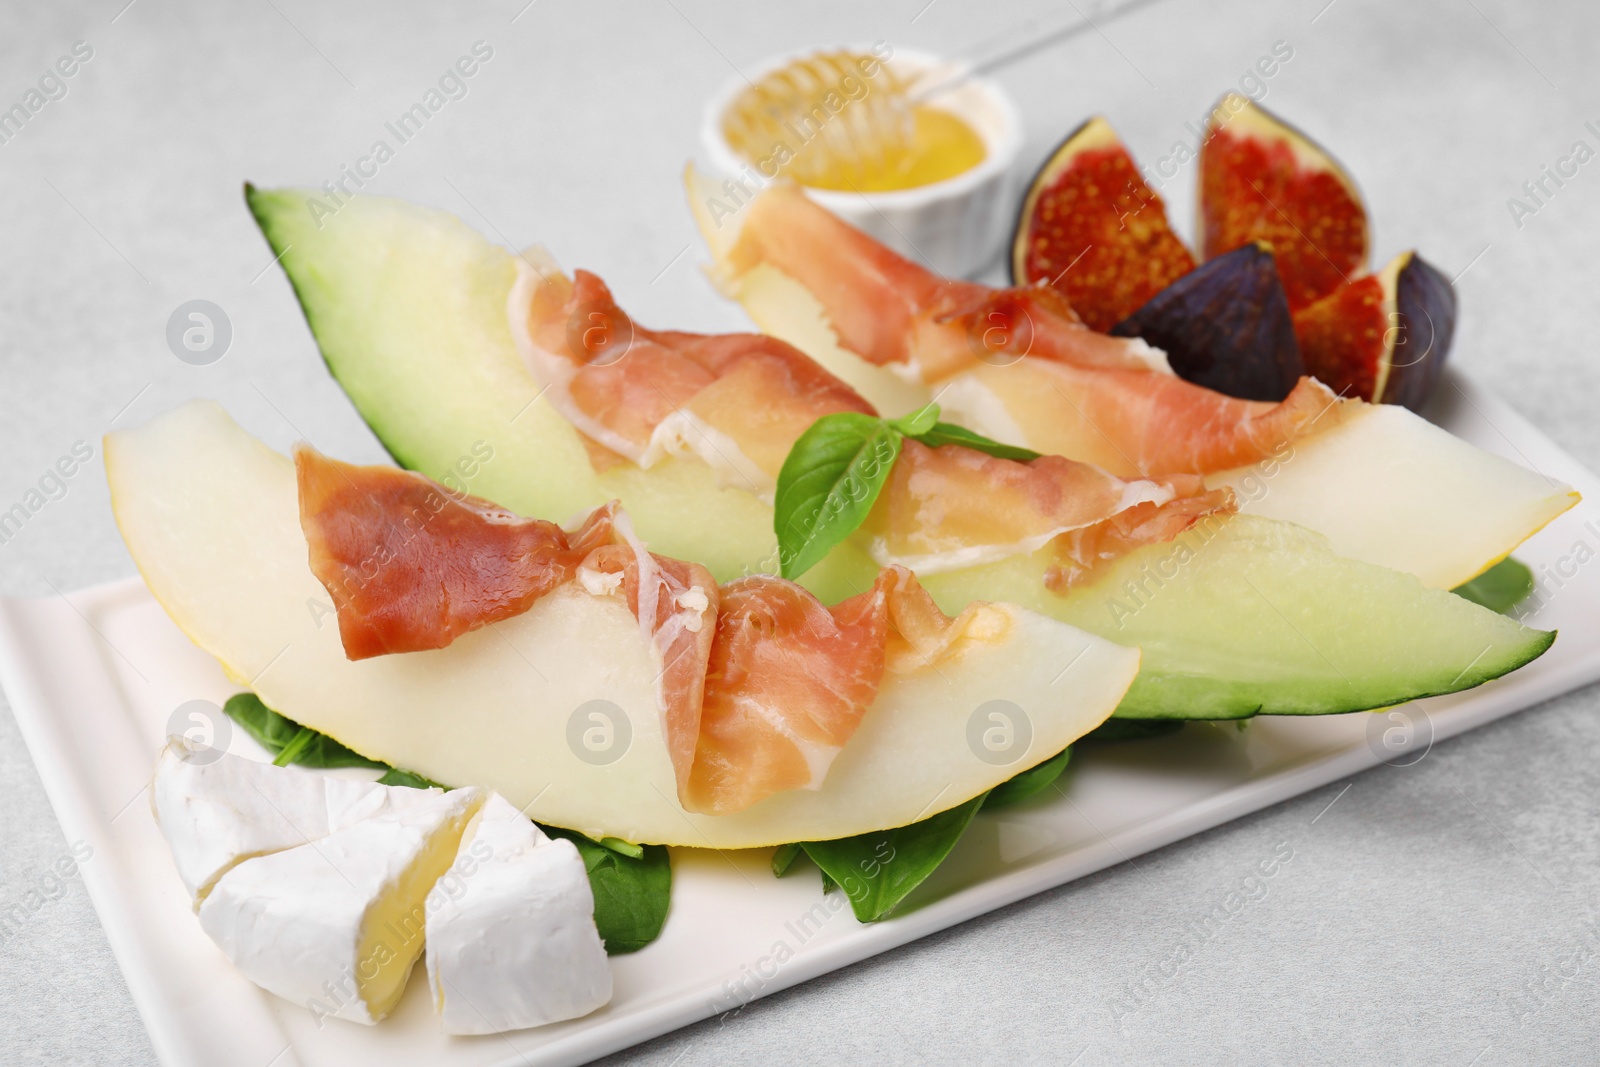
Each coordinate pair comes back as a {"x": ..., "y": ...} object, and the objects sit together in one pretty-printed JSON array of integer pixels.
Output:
[
  {"x": 1225, "y": 325},
  {"x": 1426, "y": 304}
]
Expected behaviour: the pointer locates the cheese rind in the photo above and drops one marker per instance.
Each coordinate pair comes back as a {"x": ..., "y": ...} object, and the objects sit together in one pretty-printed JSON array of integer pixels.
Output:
[
  {"x": 217, "y": 810},
  {"x": 512, "y": 941},
  {"x": 336, "y": 924}
]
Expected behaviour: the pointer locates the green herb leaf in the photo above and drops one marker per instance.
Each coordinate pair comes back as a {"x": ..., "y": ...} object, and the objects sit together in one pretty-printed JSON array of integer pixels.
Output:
[
  {"x": 878, "y": 870},
  {"x": 828, "y": 484},
  {"x": 276, "y": 733},
  {"x": 631, "y": 896},
  {"x": 297, "y": 744},
  {"x": 948, "y": 433},
  {"x": 783, "y": 858},
  {"x": 918, "y": 422},
  {"x": 1029, "y": 783},
  {"x": 1500, "y": 588},
  {"x": 409, "y": 779},
  {"x": 1134, "y": 729},
  {"x": 621, "y": 847}
]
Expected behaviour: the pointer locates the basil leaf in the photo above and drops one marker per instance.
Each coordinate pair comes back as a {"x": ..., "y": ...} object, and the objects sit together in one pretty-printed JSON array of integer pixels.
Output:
[
  {"x": 918, "y": 422},
  {"x": 1029, "y": 783},
  {"x": 1134, "y": 729},
  {"x": 297, "y": 744},
  {"x": 631, "y": 896},
  {"x": 276, "y": 733},
  {"x": 878, "y": 870},
  {"x": 621, "y": 847},
  {"x": 1500, "y": 588},
  {"x": 948, "y": 433},
  {"x": 828, "y": 484},
  {"x": 783, "y": 858},
  {"x": 409, "y": 779}
]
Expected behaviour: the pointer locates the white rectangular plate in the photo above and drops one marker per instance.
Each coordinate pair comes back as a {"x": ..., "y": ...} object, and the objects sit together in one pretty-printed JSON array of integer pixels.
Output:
[{"x": 94, "y": 678}]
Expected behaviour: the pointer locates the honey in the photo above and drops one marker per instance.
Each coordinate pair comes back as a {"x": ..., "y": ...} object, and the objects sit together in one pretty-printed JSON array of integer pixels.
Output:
[{"x": 827, "y": 123}]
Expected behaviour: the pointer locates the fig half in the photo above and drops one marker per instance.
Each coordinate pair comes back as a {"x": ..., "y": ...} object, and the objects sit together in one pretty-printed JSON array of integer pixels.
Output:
[
  {"x": 1225, "y": 325},
  {"x": 1263, "y": 180},
  {"x": 1091, "y": 228},
  {"x": 1383, "y": 337}
]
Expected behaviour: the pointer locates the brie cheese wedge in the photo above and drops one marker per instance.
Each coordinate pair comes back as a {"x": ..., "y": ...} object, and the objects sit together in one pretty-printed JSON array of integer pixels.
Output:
[
  {"x": 217, "y": 810},
  {"x": 512, "y": 942},
  {"x": 336, "y": 924}
]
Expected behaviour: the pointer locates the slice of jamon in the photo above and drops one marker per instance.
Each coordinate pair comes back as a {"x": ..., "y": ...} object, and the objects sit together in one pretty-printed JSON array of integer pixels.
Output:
[
  {"x": 1137, "y": 424},
  {"x": 1014, "y": 364},
  {"x": 1082, "y": 551},
  {"x": 676, "y": 603},
  {"x": 759, "y": 684},
  {"x": 790, "y": 679},
  {"x": 412, "y": 567},
  {"x": 890, "y": 311},
  {"x": 951, "y": 507},
  {"x": 738, "y": 401}
]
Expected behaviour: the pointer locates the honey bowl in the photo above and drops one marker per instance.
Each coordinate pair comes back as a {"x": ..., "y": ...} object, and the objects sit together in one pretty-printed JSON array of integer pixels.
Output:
[{"x": 929, "y": 173}]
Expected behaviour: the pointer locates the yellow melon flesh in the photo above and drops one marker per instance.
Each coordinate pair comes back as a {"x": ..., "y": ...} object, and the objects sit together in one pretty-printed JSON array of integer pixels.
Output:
[{"x": 211, "y": 517}]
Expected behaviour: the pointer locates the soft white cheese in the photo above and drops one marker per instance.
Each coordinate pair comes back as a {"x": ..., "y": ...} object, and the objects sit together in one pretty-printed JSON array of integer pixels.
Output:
[
  {"x": 335, "y": 925},
  {"x": 217, "y": 810},
  {"x": 513, "y": 944}
]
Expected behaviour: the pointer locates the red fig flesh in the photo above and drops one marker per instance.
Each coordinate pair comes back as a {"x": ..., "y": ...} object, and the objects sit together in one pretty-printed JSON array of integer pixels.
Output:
[
  {"x": 1094, "y": 230},
  {"x": 1263, "y": 180}
]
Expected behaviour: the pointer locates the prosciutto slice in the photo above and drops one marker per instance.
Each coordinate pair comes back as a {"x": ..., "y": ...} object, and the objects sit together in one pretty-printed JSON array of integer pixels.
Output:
[
  {"x": 760, "y": 685},
  {"x": 889, "y": 310},
  {"x": 735, "y": 400},
  {"x": 950, "y": 507},
  {"x": 790, "y": 679},
  {"x": 411, "y": 566},
  {"x": 1135, "y": 416}
]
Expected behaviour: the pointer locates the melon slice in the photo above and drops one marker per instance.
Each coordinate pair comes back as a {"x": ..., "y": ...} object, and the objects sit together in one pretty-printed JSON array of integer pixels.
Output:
[
  {"x": 1434, "y": 506},
  {"x": 211, "y": 517},
  {"x": 408, "y": 306},
  {"x": 1383, "y": 485},
  {"x": 1277, "y": 640}
]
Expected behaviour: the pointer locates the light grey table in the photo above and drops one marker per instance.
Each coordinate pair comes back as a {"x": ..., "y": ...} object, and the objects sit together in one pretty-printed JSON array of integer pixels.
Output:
[{"x": 1443, "y": 912}]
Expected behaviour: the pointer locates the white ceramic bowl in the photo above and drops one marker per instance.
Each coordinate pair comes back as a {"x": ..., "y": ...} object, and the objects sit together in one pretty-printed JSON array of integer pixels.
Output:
[{"x": 956, "y": 226}]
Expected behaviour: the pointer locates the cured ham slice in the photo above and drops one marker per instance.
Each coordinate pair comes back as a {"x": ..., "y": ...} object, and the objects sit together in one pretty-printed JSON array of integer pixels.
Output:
[
  {"x": 412, "y": 567},
  {"x": 759, "y": 684},
  {"x": 790, "y": 679},
  {"x": 1083, "y": 550},
  {"x": 1138, "y": 424},
  {"x": 676, "y": 604},
  {"x": 889, "y": 310},
  {"x": 1110, "y": 401},
  {"x": 951, "y": 507},
  {"x": 735, "y": 400},
  {"x": 788, "y": 682}
]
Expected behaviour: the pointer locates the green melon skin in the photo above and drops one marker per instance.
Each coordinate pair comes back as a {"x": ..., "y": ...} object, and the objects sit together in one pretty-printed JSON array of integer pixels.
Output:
[
  {"x": 1243, "y": 616},
  {"x": 408, "y": 305}
]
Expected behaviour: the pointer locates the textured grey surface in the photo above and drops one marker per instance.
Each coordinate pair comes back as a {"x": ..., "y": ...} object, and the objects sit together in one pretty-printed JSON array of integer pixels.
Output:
[{"x": 1439, "y": 913}]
